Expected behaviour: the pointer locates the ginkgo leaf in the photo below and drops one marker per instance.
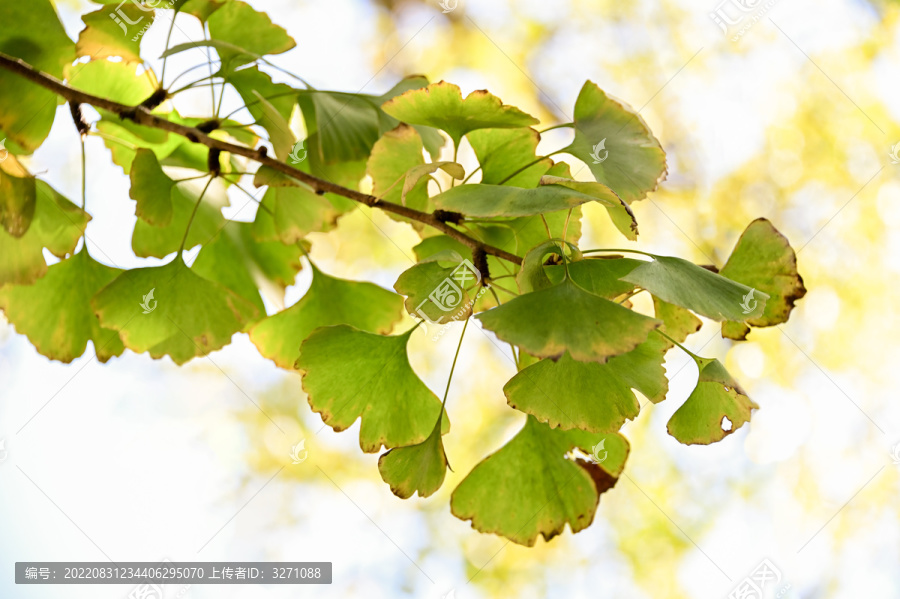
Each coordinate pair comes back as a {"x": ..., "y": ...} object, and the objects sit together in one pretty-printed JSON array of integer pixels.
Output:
[
  {"x": 685, "y": 284},
  {"x": 548, "y": 322},
  {"x": 532, "y": 275},
  {"x": 186, "y": 315},
  {"x": 240, "y": 24},
  {"x": 31, "y": 31},
  {"x": 716, "y": 408},
  {"x": 328, "y": 301},
  {"x": 63, "y": 337},
  {"x": 529, "y": 487},
  {"x": 442, "y": 106},
  {"x": 616, "y": 144},
  {"x": 253, "y": 84},
  {"x": 503, "y": 152},
  {"x": 124, "y": 82},
  {"x": 201, "y": 9},
  {"x": 107, "y": 32},
  {"x": 764, "y": 260},
  {"x": 280, "y": 135},
  {"x": 487, "y": 201},
  {"x": 18, "y": 195},
  {"x": 418, "y": 468},
  {"x": 151, "y": 188},
  {"x": 393, "y": 156},
  {"x": 350, "y": 374},
  {"x": 569, "y": 394},
  {"x": 57, "y": 225},
  {"x": 437, "y": 288}
]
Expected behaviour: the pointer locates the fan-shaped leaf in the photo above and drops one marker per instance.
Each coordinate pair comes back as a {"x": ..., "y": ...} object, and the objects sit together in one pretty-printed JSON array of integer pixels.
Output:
[
  {"x": 763, "y": 260},
  {"x": 502, "y": 152},
  {"x": 17, "y": 197},
  {"x": 529, "y": 486},
  {"x": 487, "y": 201},
  {"x": 240, "y": 24},
  {"x": 628, "y": 157},
  {"x": 350, "y": 374},
  {"x": 55, "y": 311},
  {"x": 716, "y": 408},
  {"x": 187, "y": 315},
  {"x": 437, "y": 288},
  {"x": 107, "y": 32},
  {"x": 442, "y": 106},
  {"x": 417, "y": 468}
]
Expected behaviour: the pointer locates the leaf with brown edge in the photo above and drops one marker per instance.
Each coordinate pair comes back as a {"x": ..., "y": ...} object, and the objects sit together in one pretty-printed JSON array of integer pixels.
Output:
[
  {"x": 717, "y": 407},
  {"x": 350, "y": 374},
  {"x": 58, "y": 329},
  {"x": 764, "y": 260},
  {"x": 529, "y": 487},
  {"x": 418, "y": 468}
]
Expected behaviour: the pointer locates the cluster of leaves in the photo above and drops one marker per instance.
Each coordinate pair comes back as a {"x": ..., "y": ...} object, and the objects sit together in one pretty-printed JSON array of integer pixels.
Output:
[{"x": 583, "y": 351}]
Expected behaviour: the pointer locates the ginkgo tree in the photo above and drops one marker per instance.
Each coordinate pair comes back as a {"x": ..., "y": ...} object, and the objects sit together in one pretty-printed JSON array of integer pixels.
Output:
[{"x": 583, "y": 351}]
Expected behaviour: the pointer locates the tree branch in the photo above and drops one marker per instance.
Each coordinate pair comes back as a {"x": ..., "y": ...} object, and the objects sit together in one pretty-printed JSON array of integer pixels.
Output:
[{"x": 142, "y": 116}]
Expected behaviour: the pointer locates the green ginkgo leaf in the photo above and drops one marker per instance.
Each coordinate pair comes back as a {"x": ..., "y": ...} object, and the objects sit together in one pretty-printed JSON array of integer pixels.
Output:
[
  {"x": 151, "y": 188},
  {"x": 240, "y": 24},
  {"x": 438, "y": 287},
  {"x": 764, "y": 260},
  {"x": 18, "y": 195},
  {"x": 350, "y": 374},
  {"x": 328, "y": 301},
  {"x": 569, "y": 394},
  {"x": 487, "y": 201},
  {"x": 65, "y": 292},
  {"x": 222, "y": 260},
  {"x": 415, "y": 174},
  {"x": 532, "y": 275},
  {"x": 548, "y": 322},
  {"x": 503, "y": 152},
  {"x": 685, "y": 284},
  {"x": 442, "y": 106},
  {"x": 289, "y": 214},
  {"x": 616, "y": 144},
  {"x": 529, "y": 487},
  {"x": 418, "y": 468},
  {"x": 57, "y": 225},
  {"x": 170, "y": 310},
  {"x": 31, "y": 31},
  {"x": 716, "y": 408}
]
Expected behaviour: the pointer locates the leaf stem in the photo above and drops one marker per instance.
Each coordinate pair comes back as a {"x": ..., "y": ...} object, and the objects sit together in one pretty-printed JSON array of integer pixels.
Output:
[
  {"x": 696, "y": 358},
  {"x": 560, "y": 126},
  {"x": 529, "y": 165},
  {"x": 625, "y": 250},
  {"x": 162, "y": 77},
  {"x": 193, "y": 214}
]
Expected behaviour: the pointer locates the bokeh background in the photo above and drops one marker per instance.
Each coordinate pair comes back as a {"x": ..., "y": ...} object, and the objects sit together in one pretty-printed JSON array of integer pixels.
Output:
[{"x": 141, "y": 460}]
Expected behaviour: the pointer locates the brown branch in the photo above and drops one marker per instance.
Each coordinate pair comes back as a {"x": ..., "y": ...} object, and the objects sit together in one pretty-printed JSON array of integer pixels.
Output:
[{"x": 142, "y": 116}]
